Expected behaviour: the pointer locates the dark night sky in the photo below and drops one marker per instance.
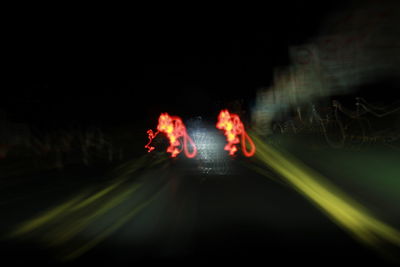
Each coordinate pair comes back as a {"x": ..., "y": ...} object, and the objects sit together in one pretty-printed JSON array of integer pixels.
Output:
[{"x": 122, "y": 68}]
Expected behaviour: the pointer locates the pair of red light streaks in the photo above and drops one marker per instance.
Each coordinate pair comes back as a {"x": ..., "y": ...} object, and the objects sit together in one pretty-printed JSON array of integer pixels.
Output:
[{"x": 175, "y": 131}]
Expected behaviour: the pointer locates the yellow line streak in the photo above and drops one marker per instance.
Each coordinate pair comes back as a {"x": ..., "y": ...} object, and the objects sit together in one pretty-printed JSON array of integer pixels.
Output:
[
  {"x": 45, "y": 218},
  {"x": 73, "y": 205},
  {"x": 346, "y": 212},
  {"x": 95, "y": 197},
  {"x": 89, "y": 245},
  {"x": 65, "y": 234}
]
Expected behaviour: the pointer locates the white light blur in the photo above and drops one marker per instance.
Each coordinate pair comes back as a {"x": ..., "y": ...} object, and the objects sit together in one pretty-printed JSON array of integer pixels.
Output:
[{"x": 211, "y": 156}]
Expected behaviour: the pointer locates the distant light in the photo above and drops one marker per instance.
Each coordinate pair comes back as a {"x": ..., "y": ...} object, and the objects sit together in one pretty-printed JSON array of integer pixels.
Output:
[{"x": 210, "y": 154}]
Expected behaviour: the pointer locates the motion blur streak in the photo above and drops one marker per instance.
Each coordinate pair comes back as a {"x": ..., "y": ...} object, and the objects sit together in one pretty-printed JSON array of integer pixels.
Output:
[
  {"x": 64, "y": 226},
  {"x": 92, "y": 243},
  {"x": 173, "y": 128},
  {"x": 357, "y": 46},
  {"x": 68, "y": 231},
  {"x": 232, "y": 127},
  {"x": 344, "y": 211},
  {"x": 33, "y": 224}
]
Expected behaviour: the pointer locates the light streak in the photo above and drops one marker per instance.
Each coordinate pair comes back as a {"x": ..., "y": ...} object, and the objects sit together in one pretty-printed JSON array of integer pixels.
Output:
[
  {"x": 233, "y": 127},
  {"x": 175, "y": 130},
  {"x": 337, "y": 205},
  {"x": 62, "y": 226},
  {"x": 151, "y": 135}
]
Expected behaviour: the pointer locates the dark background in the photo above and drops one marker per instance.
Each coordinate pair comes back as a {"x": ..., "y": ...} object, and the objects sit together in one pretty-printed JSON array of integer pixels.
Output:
[{"x": 130, "y": 64}]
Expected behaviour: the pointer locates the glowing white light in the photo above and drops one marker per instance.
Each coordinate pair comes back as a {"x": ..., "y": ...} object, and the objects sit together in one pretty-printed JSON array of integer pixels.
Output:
[{"x": 211, "y": 156}]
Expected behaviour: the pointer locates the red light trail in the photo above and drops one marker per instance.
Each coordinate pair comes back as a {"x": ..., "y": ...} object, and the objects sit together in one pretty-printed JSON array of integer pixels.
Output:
[
  {"x": 174, "y": 129},
  {"x": 233, "y": 127}
]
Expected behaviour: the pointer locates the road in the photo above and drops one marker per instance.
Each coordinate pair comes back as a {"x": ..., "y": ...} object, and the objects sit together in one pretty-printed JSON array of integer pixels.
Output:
[{"x": 173, "y": 210}]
